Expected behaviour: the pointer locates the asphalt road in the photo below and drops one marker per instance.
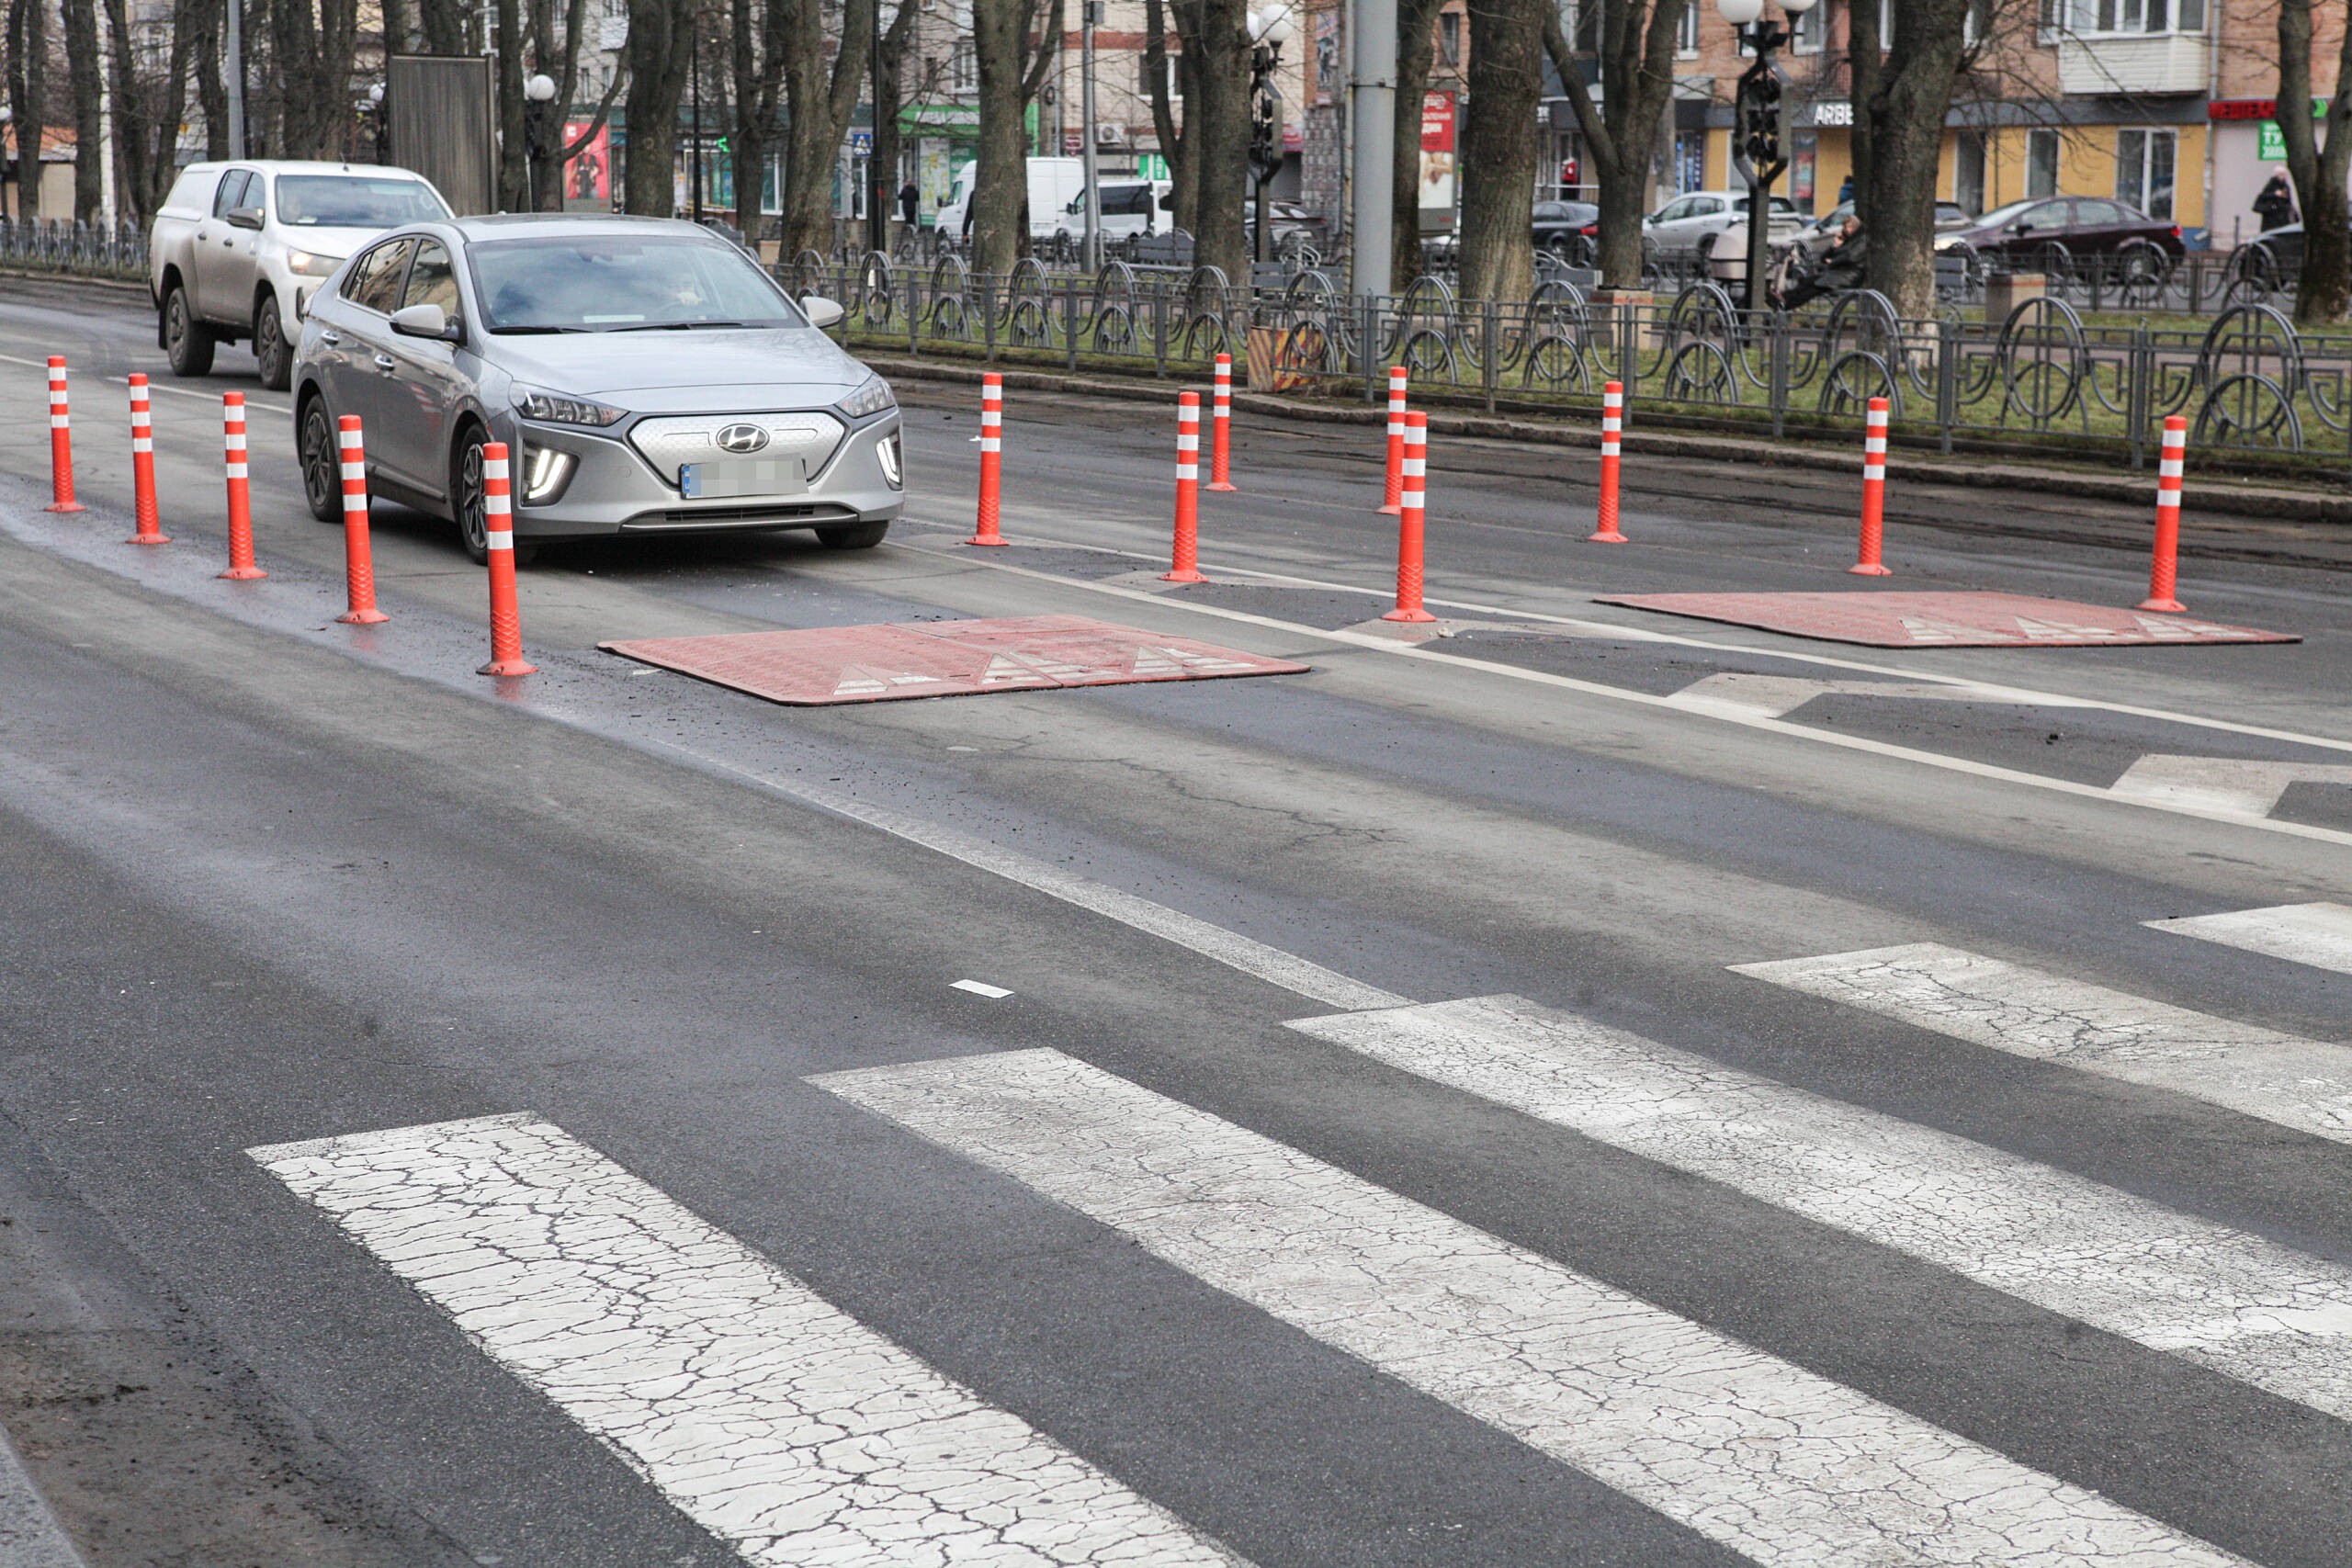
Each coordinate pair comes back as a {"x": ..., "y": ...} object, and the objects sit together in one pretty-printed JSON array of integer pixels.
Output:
[{"x": 678, "y": 1206}]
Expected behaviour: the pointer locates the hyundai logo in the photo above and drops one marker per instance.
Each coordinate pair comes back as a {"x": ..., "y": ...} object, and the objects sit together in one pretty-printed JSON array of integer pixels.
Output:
[{"x": 742, "y": 438}]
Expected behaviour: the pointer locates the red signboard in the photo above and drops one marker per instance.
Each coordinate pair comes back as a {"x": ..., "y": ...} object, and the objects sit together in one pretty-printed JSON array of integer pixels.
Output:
[
  {"x": 1437, "y": 122},
  {"x": 2242, "y": 108}
]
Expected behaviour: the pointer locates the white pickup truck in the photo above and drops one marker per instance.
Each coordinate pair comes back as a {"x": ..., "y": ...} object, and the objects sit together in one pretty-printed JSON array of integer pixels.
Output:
[{"x": 237, "y": 247}]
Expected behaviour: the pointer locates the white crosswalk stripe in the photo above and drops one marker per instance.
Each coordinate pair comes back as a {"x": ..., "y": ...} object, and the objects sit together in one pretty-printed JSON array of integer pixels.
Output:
[
  {"x": 2244, "y": 1306},
  {"x": 1784, "y": 1465},
  {"x": 2316, "y": 934},
  {"x": 777, "y": 1423},
  {"x": 2303, "y": 1084}
]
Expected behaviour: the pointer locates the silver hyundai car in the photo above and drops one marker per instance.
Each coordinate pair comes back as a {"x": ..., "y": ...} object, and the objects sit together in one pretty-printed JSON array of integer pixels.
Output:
[{"x": 645, "y": 375}]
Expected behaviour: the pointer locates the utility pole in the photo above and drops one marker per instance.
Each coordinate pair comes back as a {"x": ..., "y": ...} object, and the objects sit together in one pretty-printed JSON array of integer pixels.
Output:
[
  {"x": 236, "y": 74},
  {"x": 1372, "y": 119},
  {"x": 1091, "y": 10}
]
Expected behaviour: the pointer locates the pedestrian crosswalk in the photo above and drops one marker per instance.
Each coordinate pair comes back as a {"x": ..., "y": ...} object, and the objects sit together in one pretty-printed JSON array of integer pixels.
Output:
[
  {"x": 2316, "y": 934},
  {"x": 798, "y": 1434},
  {"x": 2303, "y": 1084}
]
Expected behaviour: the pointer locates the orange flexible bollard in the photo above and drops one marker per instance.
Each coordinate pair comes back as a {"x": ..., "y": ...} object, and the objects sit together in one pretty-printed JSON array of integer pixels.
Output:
[
  {"x": 1612, "y": 427},
  {"x": 1186, "y": 564},
  {"x": 498, "y": 529},
  {"x": 1411, "y": 491},
  {"x": 1219, "y": 477},
  {"x": 241, "y": 515},
  {"x": 61, "y": 442},
  {"x": 358, "y": 565},
  {"x": 142, "y": 469},
  {"x": 2164, "y": 566},
  {"x": 1390, "y": 503},
  {"x": 1866, "y": 561},
  {"x": 992, "y": 455}
]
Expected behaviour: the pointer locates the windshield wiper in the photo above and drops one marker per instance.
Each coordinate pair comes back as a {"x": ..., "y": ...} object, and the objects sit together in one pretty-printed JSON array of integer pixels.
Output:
[
  {"x": 519, "y": 332},
  {"x": 675, "y": 326}
]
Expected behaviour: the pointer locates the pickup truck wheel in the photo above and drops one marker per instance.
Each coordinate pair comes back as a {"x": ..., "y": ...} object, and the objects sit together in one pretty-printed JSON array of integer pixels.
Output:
[
  {"x": 187, "y": 343},
  {"x": 271, "y": 351},
  {"x": 322, "y": 463},
  {"x": 852, "y": 536}
]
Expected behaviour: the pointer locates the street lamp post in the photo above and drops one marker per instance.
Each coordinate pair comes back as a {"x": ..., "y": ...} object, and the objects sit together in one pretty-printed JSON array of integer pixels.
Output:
[
  {"x": 1267, "y": 35},
  {"x": 537, "y": 94},
  {"x": 1756, "y": 130}
]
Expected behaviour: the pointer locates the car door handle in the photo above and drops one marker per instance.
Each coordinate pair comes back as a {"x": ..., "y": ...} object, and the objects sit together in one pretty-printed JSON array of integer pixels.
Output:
[
  {"x": 386, "y": 362},
  {"x": 329, "y": 338}
]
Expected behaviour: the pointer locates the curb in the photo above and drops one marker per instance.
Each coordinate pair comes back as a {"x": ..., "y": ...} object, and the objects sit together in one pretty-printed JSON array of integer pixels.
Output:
[
  {"x": 2203, "y": 494},
  {"x": 43, "y": 275}
]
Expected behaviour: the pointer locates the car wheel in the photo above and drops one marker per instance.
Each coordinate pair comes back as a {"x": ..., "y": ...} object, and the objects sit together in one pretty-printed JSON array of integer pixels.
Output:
[
  {"x": 852, "y": 536},
  {"x": 187, "y": 343},
  {"x": 271, "y": 351},
  {"x": 468, "y": 495},
  {"x": 322, "y": 462}
]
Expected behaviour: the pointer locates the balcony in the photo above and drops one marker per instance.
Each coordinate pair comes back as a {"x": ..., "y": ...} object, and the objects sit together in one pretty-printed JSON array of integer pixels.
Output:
[{"x": 2141, "y": 62}]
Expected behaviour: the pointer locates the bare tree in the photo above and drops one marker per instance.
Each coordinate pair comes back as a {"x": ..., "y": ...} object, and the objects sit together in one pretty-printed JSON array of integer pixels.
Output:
[
  {"x": 1217, "y": 109},
  {"x": 1416, "y": 50},
  {"x": 443, "y": 24},
  {"x": 2325, "y": 293},
  {"x": 661, "y": 46},
  {"x": 29, "y": 96},
  {"x": 819, "y": 103},
  {"x": 1168, "y": 76},
  {"x": 1636, "y": 47},
  {"x": 759, "y": 44},
  {"x": 1499, "y": 147},
  {"x": 1014, "y": 53},
  {"x": 148, "y": 107},
  {"x": 82, "y": 67},
  {"x": 514, "y": 113},
  {"x": 891, "y": 92},
  {"x": 562, "y": 66},
  {"x": 312, "y": 45},
  {"x": 1903, "y": 90},
  {"x": 211, "y": 87}
]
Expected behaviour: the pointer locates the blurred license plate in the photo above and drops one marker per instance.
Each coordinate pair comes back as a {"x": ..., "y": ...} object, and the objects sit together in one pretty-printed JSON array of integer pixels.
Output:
[{"x": 741, "y": 476}]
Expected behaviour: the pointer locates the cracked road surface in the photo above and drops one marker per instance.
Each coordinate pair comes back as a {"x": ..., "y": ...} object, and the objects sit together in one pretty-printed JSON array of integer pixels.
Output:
[{"x": 1580, "y": 1089}]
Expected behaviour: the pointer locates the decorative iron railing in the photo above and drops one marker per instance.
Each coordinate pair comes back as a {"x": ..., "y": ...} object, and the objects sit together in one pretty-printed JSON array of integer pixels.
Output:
[{"x": 55, "y": 245}]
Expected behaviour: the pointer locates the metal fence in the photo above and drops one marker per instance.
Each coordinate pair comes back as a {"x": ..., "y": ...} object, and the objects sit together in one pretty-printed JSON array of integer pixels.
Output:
[
  {"x": 2257, "y": 394},
  {"x": 52, "y": 244}
]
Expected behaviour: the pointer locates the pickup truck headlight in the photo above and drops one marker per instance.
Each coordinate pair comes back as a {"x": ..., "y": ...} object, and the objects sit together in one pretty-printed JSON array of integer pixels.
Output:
[
  {"x": 309, "y": 264},
  {"x": 555, "y": 408},
  {"x": 870, "y": 398}
]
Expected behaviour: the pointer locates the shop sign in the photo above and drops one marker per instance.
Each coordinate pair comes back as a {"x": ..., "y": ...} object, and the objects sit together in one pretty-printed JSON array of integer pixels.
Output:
[{"x": 1437, "y": 122}]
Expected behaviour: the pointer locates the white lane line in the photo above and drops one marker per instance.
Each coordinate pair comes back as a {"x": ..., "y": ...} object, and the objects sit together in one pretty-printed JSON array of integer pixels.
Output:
[
  {"x": 154, "y": 386},
  {"x": 2247, "y": 1307},
  {"x": 1771, "y": 697},
  {"x": 982, "y": 989},
  {"x": 30, "y": 1536},
  {"x": 2222, "y": 784},
  {"x": 2303, "y": 1084},
  {"x": 775, "y": 1421},
  {"x": 1788, "y": 1467},
  {"x": 1249, "y": 955},
  {"x": 1747, "y": 720},
  {"x": 2316, "y": 934}
]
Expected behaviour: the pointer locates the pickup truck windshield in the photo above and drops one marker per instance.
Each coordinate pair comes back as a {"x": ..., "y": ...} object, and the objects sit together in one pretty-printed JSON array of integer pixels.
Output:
[
  {"x": 600, "y": 283},
  {"x": 353, "y": 201}
]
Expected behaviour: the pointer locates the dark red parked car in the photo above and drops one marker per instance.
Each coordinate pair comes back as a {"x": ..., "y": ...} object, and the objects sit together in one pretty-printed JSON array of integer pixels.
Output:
[{"x": 2066, "y": 234}]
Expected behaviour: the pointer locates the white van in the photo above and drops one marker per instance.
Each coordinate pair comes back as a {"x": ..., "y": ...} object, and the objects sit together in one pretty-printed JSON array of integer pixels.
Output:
[
  {"x": 1130, "y": 206},
  {"x": 1052, "y": 183}
]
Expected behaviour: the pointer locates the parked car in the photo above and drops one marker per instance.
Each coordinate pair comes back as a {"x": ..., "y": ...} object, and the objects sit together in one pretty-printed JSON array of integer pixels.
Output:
[
  {"x": 1130, "y": 206},
  {"x": 2273, "y": 259},
  {"x": 1688, "y": 222},
  {"x": 236, "y": 248},
  {"x": 1570, "y": 229},
  {"x": 2058, "y": 235},
  {"x": 646, "y": 377}
]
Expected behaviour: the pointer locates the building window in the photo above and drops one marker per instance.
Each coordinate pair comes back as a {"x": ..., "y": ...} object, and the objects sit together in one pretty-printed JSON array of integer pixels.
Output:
[
  {"x": 1686, "y": 34},
  {"x": 1968, "y": 170},
  {"x": 2041, "y": 164},
  {"x": 1810, "y": 32},
  {"x": 963, "y": 68},
  {"x": 1449, "y": 40},
  {"x": 2143, "y": 164},
  {"x": 2139, "y": 15},
  {"x": 1143, "y": 78}
]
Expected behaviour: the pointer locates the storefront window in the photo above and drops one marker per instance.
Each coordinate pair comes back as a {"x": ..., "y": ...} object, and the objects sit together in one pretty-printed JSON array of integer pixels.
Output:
[
  {"x": 1968, "y": 170},
  {"x": 2143, "y": 166},
  {"x": 2040, "y": 164}
]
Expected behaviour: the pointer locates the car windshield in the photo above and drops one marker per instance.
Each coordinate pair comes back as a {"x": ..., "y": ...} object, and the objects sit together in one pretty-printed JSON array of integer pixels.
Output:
[
  {"x": 354, "y": 201},
  {"x": 2010, "y": 214},
  {"x": 620, "y": 283}
]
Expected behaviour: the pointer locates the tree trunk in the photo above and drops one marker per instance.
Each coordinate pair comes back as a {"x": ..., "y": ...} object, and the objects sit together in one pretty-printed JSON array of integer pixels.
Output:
[
  {"x": 147, "y": 111},
  {"x": 1637, "y": 39},
  {"x": 29, "y": 96},
  {"x": 1898, "y": 138},
  {"x": 310, "y": 54},
  {"x": 2323, "y": 293},
  {"x": 1219, "y": 119},
  {"x": 1498, "y": 148},
  {"x": 889, "y": 95},
  {"x": 82, "y": 71},
  {"x": 819, "y": 107},
  {"x": 514, "y": 117},
  {"x": 211, "y": 86},
  {"x": 1416, "y": 46},
  {"x": 443, "y": 24},
  {"x": 1000, "y": 184},
  {"x": 659, "y": 48},
  {"x": 758, "y": 69},
  {"x": 1183, "y": 189}
]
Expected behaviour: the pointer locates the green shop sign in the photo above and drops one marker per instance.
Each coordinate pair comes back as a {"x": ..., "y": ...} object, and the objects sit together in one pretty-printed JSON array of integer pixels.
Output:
[{"x": 2270, "y": 146}]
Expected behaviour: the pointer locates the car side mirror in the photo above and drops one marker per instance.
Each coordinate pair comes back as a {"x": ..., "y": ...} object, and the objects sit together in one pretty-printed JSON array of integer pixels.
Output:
[
  {"x": 2021, "y": 228},
  {"x": 822, "y": 314},
  {"x": 243, "y": 218},
  {"x": 429, "y": 322}
]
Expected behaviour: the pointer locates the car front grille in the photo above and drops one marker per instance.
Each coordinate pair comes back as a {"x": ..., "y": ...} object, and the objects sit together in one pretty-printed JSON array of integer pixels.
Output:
[
  {"x": 670, "y": 441},
  {"x": 774, "y": 516}
]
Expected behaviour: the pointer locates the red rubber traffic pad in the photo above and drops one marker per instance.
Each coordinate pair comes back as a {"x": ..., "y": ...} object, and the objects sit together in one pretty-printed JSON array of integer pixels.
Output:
[
  {"x": 1944, "y": 620},
  {"x": 941, "y": 659}
]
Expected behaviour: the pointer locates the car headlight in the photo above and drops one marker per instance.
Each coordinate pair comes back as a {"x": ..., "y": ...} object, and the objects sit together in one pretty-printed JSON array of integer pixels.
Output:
[
  {"x": 309, "y": 263},
  {"x": 871, "y": 398},
  {"x": 555, "y": 408},
  {"x": 888, "y": 451}
]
